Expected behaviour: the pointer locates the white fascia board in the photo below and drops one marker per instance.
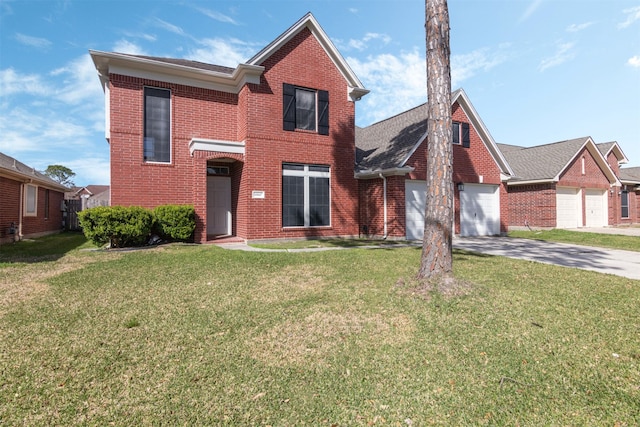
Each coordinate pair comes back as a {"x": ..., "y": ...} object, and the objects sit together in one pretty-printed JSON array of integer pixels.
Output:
[
  {"x": 114, "y": 63},
  {"x": 375, "y": 173},
  {"x": 202, "y": 144},
  {"x": 485, "y": 135},
  {"x": 511, "y": 183},
  {"x": 310, "y": 22}
]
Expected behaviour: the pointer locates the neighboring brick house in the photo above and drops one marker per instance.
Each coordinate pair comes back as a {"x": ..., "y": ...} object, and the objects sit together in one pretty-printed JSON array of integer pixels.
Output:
[
  {"x": 91, "y": 195},
  {"x": 391, "y": 168},
  {"x": 566, "y": 184},
  {"x": 262, "y": 151},
  {"x": 30, "y": 202},
  {"x": 622, "y": 201}
]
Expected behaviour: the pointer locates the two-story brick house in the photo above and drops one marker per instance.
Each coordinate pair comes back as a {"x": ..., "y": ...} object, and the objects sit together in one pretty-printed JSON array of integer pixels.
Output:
[{"x": 264, "y": 150}]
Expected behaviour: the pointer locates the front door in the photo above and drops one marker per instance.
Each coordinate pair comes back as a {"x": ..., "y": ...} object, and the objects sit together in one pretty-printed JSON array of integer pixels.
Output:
[{"x": 219, "y": 205}]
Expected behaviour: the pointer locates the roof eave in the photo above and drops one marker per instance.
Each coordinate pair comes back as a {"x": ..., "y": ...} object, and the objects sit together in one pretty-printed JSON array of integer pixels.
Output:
[
  {"x": 115, "y": 63},
  {"x": 377, "y": 173}
]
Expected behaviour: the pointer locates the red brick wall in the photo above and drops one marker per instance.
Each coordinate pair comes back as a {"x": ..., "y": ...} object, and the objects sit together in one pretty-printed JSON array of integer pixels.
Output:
[
  {"x": 532, "y": 205},
  {"x": 32, "y": 226}
]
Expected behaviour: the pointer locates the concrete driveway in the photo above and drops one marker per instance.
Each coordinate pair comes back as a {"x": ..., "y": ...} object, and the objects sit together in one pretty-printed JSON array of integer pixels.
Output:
[{"x": 608, "y": 261}]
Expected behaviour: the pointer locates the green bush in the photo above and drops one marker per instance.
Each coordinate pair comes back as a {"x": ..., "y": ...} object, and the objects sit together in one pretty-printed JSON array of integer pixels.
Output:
[
  {"x": 175, "y": 222},
  {"x": 117, "y": 225}
]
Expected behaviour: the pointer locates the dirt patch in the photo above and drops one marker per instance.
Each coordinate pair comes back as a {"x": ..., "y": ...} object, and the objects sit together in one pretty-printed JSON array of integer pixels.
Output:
[
  {"x": 319, "y": 335},
  {"x": 291, "y": 282},
  {"x": 449, "y": 287},
  {"x": 26, "y": 281}
]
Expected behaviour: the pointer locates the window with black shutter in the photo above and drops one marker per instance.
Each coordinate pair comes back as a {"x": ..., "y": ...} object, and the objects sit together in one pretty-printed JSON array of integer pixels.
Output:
[
  {"x": 460, "y": 134},
  {"x": 305, "y": 109}
]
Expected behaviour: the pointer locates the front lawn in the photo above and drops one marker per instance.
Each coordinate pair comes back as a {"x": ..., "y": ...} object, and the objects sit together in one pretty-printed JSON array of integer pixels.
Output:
[{"x": 198, "y": 335}]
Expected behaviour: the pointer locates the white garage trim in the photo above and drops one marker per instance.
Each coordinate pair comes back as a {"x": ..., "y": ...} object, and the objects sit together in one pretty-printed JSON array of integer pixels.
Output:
[
  {"x": 568, "y": 207},
  {"x": 596, "y": 208},
  {"x": 480, "y": 210}
]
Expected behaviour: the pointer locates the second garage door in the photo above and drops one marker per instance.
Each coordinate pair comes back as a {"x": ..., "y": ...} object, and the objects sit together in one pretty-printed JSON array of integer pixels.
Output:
[
  {"x": 568, "y": 207},
  {"x": 595, "y": 203}
]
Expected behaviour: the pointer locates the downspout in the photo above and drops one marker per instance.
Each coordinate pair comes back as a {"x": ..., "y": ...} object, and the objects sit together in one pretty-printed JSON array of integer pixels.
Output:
[
  {"x": 18, "y": 235},
  {"x": 384, "y": 198}
]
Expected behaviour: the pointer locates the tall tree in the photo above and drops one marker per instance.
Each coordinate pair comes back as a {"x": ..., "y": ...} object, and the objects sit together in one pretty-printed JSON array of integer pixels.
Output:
[
  {"x": 60, "y": 173},
  {"x": 437, "y": 257}
]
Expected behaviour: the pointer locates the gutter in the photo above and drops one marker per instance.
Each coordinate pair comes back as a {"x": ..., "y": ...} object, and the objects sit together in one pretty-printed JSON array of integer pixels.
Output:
[{"x": 377, "y": 173}]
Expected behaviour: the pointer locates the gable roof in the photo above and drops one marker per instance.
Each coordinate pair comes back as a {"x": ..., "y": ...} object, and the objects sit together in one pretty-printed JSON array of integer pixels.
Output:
[
  {"x": 216, "y": 77},
  {"x": 356, "y": 88},
  {"x": 612, "y": 147},
  {"x": 546, "y": 163},
  {"x": 388, "y": 144},
  {"x": 18, "y": 171}
]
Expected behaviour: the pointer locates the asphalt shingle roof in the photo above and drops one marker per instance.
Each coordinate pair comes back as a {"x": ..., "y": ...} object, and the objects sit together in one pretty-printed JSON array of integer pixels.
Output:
[
  {"x": 630, "y": 175},
  {"x": 543, "y": 161},
  {"x": 14, "y": 166},
  {"x": 187, "y": 63}
]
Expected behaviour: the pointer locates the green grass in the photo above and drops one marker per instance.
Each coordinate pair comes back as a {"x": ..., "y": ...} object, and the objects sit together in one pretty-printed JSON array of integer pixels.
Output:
[
  {"x": 49, "y": 247},
  {"x": 613, "y": 241},
  {"x": 198, "y": 335},
  {"x": 328, "y": 243}
]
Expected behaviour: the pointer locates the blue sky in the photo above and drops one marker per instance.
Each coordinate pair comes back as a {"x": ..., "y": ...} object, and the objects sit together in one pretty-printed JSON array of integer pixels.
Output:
[{"x": 537, "y": 71}]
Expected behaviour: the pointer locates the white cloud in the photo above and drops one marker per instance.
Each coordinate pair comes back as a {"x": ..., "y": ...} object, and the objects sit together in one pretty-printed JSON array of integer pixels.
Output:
[
  {"x": 563, "y": 54},
  {"x": 634, "y": 61},
  {"x": 12, "y": 83},
  {"x": 362, "y": 43},
  {"x": 217, "y": 16},
  {"x": 169, "y": 27},
  {"x": 144, "y": 36},
  {"x": 37, "y": 42},
  {"x": 125, "y": 46},
  {"x": 633, "y": 15},
  {"x": 353, "y": 10},
  {"x": 467, "y": 65},
  {"x": 535, "y": 4},
  {"x": 80, "y": 84},
  {"x": 574, "y": 28},
  {"x": 227, "y": 52}
]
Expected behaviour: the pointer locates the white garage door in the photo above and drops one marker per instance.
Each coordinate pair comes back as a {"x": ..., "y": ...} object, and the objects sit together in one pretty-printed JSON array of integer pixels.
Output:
[
  {"x": 595, "y": 202},
  {"x": 415, "y": 195},
  {"x": 568, "y": 207},
  {"x": 479, "y": 210}
]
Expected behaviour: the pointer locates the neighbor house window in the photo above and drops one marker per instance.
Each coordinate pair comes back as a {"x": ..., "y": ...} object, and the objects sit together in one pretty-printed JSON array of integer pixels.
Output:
[
  {"x": 157, "y": 125},
  {"x": 305, "y": 109},
  {"x": 30, "y": 200},
  {"x": 460, "y": 133},
  {"x": 624, "y": 204},
  {"x": 305, "y": 195}
]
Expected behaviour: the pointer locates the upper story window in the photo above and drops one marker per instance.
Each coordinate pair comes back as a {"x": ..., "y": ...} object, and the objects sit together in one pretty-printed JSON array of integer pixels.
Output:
[
  {"x": 624, "y": 204},
  {"x": 30, "y": 200},
  {"x": 305, "y": 109},
  {"x": 157, "y": 125},
  {"x": 460, "y": 133}
]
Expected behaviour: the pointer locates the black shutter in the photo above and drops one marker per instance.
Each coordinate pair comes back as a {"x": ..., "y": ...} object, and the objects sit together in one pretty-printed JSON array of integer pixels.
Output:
[
  {"x": 288, "y": 107},
  {"x": 323, "y": 112},
  {"x": 466, "y": 139}
]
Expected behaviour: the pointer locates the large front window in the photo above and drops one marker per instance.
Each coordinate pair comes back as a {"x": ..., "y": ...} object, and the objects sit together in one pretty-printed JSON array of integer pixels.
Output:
[
  {"x": 305, "y": 195},
  {"x": 157, "y": 125}
]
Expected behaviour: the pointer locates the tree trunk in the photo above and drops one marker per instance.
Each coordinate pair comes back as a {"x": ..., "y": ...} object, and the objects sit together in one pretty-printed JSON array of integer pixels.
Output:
[{"x": 436, "y": 244}]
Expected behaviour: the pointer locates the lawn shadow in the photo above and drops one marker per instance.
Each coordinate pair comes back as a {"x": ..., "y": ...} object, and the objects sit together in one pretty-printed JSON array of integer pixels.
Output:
[{"x": 43, "y": 249}]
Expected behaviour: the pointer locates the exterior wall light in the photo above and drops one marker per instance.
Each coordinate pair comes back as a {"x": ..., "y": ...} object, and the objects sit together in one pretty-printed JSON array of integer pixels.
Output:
[{"x": 460, "y": 186}]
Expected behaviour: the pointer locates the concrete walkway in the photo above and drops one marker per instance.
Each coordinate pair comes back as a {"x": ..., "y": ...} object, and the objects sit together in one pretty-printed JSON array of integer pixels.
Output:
[{"x": 608, "y": 261}]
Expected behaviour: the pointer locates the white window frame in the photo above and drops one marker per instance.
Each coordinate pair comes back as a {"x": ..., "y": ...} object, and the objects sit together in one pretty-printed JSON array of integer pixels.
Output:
[
  {"x": 622, "y": 206},
  {"x": 33, "y": 197},
  {"x": 306, "y": 174}
]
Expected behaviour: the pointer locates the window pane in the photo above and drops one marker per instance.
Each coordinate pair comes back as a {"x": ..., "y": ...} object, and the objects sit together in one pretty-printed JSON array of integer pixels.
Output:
[
  {"x": 456, "y": 132},
  {"x": 624, "y": 203},
  {"x": 31, "y": 199},
  {"x": 292, "y": 167},
  {"x": 157, "y": 125},
  {"x": 305, "y": 109},
  {"x": 293, "y": 201},
  {"x": 319, "y": 202},
  {"x": 316, "y": 168}
]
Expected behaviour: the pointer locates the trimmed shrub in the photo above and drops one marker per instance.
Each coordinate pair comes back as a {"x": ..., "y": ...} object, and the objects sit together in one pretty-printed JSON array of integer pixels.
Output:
[
  {"x": 117, "y": 225},
  {"x": 175, "y": 222}
]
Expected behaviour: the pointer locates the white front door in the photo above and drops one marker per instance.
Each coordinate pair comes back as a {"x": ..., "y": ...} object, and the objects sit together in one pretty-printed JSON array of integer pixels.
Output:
[
  {"x": 219, "y": 205},
  {"x": 415, "y": 203}
]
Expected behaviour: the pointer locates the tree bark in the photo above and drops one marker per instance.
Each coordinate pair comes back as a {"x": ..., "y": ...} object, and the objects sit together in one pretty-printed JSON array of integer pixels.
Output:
[{"x": 437, "y": 257}]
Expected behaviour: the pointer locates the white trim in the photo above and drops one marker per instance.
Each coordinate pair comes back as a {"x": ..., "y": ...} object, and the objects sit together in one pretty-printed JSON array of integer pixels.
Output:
[
  {"x": 375, "y": 173},
  {"x": 202, "y": 144},
  {"x": 107, "y": 111},
  {"x": 357, "y": 89}
]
